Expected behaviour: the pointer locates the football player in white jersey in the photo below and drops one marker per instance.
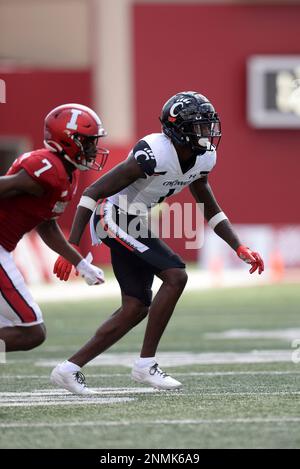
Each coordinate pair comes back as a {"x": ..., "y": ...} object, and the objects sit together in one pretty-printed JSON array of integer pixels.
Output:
[{"x": 158, "y": 166}]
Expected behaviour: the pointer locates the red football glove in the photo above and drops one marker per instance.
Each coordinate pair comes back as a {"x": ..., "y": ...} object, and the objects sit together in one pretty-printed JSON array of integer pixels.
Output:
[
  {"x": 62, "y": 268},
  {"x": 251, "y": 257}
]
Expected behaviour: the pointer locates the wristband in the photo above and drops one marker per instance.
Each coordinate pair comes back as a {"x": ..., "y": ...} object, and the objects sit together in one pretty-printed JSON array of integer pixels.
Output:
[
  {"x": 87, "y": 202},
  {"x": 216, "y": 219}
]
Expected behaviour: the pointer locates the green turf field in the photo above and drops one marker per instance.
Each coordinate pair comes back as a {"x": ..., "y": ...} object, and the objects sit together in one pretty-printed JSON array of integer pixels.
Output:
[{"x": 221, "y": 405}]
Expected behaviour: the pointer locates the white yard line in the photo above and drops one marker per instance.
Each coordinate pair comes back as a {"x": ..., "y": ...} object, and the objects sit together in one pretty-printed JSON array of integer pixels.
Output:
[
  {"x": 71, "y": 400},
  {"x": 117, "y": 423},
  {"x": 59, "y": 397}
]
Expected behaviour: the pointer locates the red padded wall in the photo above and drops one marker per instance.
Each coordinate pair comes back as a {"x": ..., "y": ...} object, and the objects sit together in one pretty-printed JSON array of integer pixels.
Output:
[{"x": 32, "y": 93}]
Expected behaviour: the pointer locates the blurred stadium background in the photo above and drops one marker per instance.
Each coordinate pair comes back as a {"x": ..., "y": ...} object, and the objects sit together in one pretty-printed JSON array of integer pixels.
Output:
[{"x": 124, "y": 58}]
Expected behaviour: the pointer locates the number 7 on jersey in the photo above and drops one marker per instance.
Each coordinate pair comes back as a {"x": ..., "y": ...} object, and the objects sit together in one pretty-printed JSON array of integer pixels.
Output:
[{"x": 44, "y": 168}]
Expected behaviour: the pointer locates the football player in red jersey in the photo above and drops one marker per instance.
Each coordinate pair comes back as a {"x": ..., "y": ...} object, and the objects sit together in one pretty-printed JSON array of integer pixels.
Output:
[{"x": 34, "y": 192}]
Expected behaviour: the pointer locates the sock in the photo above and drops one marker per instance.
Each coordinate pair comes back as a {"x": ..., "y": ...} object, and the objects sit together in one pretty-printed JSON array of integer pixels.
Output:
[
  {"x": 144, "y": 362},
  {"x": 69, "y": 367}
]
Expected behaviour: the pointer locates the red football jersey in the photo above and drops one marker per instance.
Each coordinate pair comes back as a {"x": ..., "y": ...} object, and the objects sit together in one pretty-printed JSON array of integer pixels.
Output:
[{"x": 21, "y": 213}]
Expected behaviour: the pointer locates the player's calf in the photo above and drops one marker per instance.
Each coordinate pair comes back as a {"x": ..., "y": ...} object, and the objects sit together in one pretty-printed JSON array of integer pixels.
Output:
[{"x": 23, "y": 338}]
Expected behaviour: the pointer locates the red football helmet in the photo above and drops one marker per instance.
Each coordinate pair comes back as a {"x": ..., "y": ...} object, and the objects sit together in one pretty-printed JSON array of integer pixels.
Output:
[{"x": 73, "y": 130}]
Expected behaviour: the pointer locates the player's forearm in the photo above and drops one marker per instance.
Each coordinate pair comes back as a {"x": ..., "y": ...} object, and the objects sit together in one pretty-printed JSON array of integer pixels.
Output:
[
  {"x": 225, "y": 230},
  {"x": 219, "y": 222},
  {"x": 52, "y": 235},
  {"x": 80, "y": 221}
]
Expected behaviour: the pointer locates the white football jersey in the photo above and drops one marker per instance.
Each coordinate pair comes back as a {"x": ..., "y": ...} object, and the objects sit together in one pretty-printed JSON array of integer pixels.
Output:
[{"x": 158, "y": 158}]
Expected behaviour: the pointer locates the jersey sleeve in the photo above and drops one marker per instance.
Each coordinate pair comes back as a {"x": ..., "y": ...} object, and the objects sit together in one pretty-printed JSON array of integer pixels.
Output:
[
  {"x": 144, "y": 156},
  {"x": 209, "y": 162},
  {"x": 41, "y": 169}
]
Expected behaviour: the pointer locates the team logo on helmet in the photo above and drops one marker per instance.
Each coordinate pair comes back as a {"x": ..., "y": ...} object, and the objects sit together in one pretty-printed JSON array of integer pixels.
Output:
[{"x": 176, "y": 108}]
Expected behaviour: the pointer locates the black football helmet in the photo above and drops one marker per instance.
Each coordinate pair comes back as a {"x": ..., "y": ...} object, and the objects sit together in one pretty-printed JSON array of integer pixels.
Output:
[{"x": 189, "y": 119}]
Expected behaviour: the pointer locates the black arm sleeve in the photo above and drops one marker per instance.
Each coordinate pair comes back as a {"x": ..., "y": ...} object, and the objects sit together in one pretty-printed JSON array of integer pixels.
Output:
[{"x": 145, "y": 158}]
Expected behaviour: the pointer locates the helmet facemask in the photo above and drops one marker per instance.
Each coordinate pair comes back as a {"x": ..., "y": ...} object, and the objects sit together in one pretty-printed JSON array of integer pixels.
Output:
[
  {"x": 202, "y": 134},
  {"x": 89, "y": 155}
]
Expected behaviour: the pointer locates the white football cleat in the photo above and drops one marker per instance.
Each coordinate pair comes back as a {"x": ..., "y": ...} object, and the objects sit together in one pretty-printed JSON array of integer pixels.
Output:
[
  {"x": 154, "y": 376},
  {"x": 73, "y": 382}
]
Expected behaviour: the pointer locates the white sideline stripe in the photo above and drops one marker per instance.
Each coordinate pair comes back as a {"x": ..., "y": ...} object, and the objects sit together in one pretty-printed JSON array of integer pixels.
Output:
[
  {"x": 281, "y": 334},
  {"x": 118, "y": 423},
  {"x": 186, "y": 358},
  {"x": 191, "y": 373}
]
